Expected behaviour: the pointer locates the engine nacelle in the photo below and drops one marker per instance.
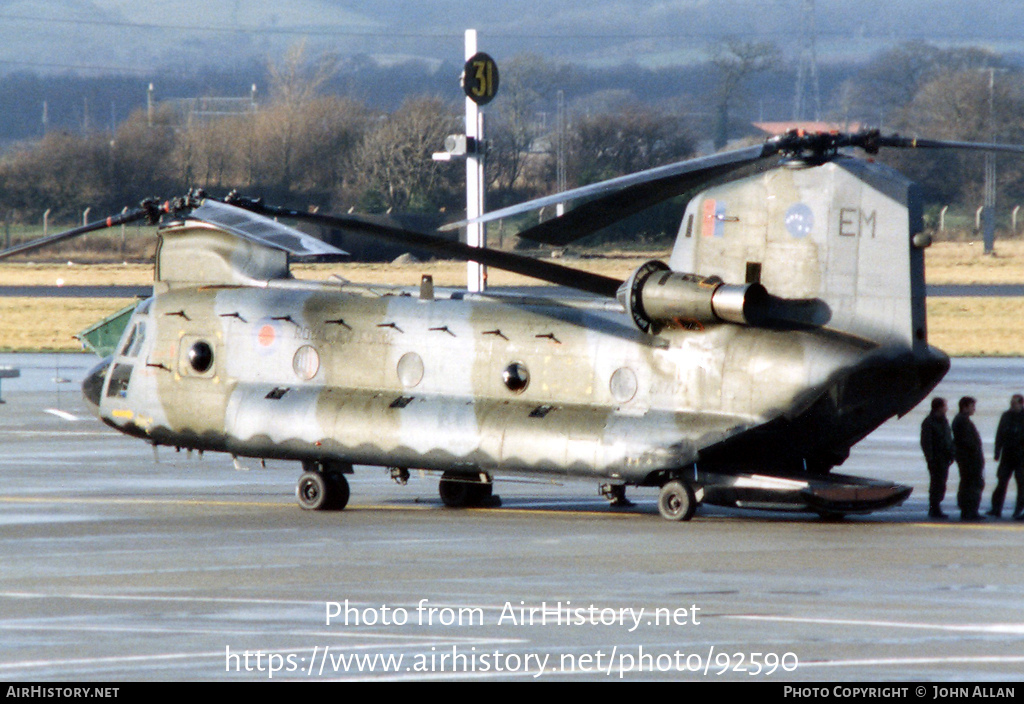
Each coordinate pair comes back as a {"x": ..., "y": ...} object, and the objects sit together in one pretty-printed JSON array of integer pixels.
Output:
[{"x": 656, "y": 297}]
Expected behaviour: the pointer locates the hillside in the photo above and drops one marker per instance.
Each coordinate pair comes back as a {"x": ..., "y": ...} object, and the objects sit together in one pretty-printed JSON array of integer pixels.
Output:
[{"x": 139, "y": 37}]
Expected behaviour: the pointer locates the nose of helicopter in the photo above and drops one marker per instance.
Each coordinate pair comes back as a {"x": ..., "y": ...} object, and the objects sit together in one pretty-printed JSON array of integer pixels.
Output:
[{"x": 92, "y": 387}]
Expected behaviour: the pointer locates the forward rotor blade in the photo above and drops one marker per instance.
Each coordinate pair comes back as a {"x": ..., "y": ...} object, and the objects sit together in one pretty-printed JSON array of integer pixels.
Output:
[
  {"x": 517, "y": 264},
  {"x": 114, "y": 221},
  {"x": 262, "y": 230}
]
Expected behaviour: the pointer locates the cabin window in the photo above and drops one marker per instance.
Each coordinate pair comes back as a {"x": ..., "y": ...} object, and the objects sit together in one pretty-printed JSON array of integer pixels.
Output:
[
  {"x": 410, "y": 370},
  {"x": 623, "y": 385},
  {"x": 516, "y": 377},
  {"x": 200, "y": 357},
  {"x": 306, "y": 362},
  {"x": 119, "y": 380}
]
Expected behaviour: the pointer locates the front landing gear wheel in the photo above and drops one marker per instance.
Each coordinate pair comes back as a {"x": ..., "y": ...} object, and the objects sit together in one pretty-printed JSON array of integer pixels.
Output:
[
  {"x": 322, "y": 491},
  {"x": 676, "y": 502}
]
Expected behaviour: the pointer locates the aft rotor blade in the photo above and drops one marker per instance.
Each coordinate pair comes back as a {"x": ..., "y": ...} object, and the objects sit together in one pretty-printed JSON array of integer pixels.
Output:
[
  {"x": 914, "y": 143},
  {"x": 616, "y": 199},
  {"x": 650, "y": 186},
  {"x": 515, "y": 263},
  {"x": 587, "y": 218},
  {"x": 114, "y": 221}
]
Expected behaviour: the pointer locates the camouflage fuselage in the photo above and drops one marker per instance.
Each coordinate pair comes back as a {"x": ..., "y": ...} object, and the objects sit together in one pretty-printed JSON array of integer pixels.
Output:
[{"x": 383, "y": 377}]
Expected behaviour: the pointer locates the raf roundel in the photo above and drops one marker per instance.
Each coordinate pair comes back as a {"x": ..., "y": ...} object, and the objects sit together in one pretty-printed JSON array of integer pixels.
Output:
[
  {"x": 799, "y": 220},
  {"x": 267, "y": 337}
]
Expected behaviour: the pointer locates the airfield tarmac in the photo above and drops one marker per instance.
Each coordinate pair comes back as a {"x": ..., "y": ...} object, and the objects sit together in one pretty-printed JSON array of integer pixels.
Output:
[{"x": 114, "y": 567}]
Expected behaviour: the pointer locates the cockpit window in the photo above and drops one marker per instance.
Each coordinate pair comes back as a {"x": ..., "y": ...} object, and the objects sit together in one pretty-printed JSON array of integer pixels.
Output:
[
  {"x": 140, "y": 337},
  {"x": 134, "y": 341}
]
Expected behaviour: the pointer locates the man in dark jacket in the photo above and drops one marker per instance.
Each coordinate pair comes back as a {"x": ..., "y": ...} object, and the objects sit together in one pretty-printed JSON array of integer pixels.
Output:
[
  {"x": 1010, "y": 455},
  {"x": 937, "y": 444},
  {"x": 970, "y": 460}
]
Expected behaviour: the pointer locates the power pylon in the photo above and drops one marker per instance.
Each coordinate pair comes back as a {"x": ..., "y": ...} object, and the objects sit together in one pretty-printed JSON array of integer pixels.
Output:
[{"x": 807, "y": 70}]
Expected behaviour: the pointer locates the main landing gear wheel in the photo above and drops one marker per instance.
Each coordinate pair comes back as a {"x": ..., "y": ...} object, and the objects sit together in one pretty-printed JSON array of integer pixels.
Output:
[
  {"x": 322, "y": 491},
  {"x": 466, "y": 491},
  {"x": 676, "y": 502}
]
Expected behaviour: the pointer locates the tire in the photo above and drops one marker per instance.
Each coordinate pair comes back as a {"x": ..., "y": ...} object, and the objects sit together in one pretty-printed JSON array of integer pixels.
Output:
[
  {"x": 312, "y": 491},
  {"x": 462, "y": 491},
  {"x": 338, "y": 492},
  {"x": 455, "y": 492},
  {"x": 318, "y": 491},
  {"x": 676, "y": 501}
]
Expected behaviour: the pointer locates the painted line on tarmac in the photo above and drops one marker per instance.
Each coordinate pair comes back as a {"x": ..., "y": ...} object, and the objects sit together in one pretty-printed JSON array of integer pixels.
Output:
[
  {"x": 141, "y": 502},
  {"x": 994, "y": 524},
  {"x": 109, "y": 660},
  {"x": 63, "y": 415},
  {"x": 397, "y": 640},
  {"x": 349, "y": 509},
  {"x": 992, "y": 628},
  {"x": 61, "y": 433},
  {"x": 902, "y": 662},
  {"x": 220, "y": 655},
  {"x": 262, "y": 601}
]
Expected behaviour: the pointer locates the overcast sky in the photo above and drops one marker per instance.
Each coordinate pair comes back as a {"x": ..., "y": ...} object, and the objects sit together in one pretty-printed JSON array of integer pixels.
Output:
[{"x": 142, "y": 36}]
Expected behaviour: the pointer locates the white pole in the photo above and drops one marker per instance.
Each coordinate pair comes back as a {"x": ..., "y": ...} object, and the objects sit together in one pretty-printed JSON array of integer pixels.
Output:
[{"x": 476, "y": 274}]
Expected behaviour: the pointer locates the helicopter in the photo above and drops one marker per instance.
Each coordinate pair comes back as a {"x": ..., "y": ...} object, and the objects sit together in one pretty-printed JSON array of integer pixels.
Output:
[{"x": 787, "y": 324}]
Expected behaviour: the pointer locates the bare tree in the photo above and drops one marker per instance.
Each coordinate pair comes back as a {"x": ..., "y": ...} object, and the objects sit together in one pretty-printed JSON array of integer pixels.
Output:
[
  {"x": 294, "y": 85},
  {"x": 634, "y": 138},
  {"x": 736, "y": 61},
  {"x": 395, "y": 158},
  {"x": 527, "y": 83},
  {"x": 209, "y": 153},
  {"x": 892, "y": 79},
  {"x": 954, "y": 104}
]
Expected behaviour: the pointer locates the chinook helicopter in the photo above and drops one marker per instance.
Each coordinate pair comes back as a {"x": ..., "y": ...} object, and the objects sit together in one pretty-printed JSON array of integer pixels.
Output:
[{"x": 787, "y": 324}]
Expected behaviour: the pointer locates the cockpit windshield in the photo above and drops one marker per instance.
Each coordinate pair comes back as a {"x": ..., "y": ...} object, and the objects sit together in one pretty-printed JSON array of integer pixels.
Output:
[{"x": 133, "y": 343}]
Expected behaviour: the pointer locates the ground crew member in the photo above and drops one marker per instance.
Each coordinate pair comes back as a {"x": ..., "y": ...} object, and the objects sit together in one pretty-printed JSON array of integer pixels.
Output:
[
  {"x": 1010, "y": 455},
  {"x": 937, "y": 445},
  {"x": 970, "y": 460}
]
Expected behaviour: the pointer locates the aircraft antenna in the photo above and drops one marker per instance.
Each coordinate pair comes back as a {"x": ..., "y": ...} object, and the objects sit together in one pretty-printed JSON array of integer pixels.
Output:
[{"x": 807, "y": 69}]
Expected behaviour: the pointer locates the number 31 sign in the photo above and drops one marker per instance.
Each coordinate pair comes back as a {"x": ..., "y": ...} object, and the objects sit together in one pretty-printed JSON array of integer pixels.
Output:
[{"x": 480, "y": 78}]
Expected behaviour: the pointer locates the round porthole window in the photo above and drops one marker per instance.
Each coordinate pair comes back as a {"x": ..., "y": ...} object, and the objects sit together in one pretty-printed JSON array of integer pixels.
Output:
[
  {"x": 410, "y": 369},
  {"x": 516, "y": 377},
  {"x": 623, "y": 385},
  {"x": 306, "y": 363},
  {"x": 200, "y": 357}
]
